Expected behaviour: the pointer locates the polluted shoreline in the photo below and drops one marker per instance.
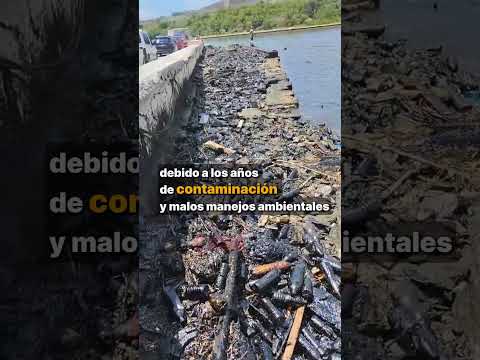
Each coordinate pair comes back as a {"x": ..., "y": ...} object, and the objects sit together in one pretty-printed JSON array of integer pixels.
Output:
[
  {"x": 409, "y": 137},
  {"x": 251, "y": 286}
]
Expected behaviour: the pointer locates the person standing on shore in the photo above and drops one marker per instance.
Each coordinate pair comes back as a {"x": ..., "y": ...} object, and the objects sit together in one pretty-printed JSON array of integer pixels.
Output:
[{"x": 251, "y": 36}]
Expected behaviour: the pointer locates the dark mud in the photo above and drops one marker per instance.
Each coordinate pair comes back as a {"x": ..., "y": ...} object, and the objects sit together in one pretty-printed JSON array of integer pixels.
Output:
[
  {"x": 409, "y": 143},
  {"x": 228, "y": 286}
]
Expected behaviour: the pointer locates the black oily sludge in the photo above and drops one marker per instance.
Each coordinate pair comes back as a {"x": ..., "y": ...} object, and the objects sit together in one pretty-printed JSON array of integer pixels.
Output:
[{"x": 244, "y": 114}]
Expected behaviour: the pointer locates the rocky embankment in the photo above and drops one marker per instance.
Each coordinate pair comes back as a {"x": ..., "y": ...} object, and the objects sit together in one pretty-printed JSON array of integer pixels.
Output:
[
  {"x": 235, "y": 286},
  {"x": 409, "y": 137}
]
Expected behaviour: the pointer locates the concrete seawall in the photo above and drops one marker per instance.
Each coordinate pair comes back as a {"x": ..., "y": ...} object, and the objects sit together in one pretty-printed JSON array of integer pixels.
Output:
[
  {"x": 163, "y": 93},
  {"x": 160, "y": 84}
]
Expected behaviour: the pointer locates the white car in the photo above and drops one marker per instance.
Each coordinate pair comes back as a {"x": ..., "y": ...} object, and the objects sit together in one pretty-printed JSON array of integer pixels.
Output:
[{"x": 146, "y": 50}]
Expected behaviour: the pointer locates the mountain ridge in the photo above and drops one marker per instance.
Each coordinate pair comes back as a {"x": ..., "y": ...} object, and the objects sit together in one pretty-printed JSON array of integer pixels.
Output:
[
  {"x": 233, "y": 3},
  {"x": 219, "y": 5}
]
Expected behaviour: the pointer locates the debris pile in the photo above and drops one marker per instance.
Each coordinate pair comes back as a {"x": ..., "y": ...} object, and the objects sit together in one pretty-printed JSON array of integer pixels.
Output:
[
  {"x": 407, "y": 166},
  {"x": 248, "y": 285}
]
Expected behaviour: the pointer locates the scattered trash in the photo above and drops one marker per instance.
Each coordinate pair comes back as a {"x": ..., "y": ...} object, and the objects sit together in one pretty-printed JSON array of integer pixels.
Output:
[
  {"x": 409, "y": 137},
  {"x": 265, "y": 268},
  {"x": 177, "y": 306},
  {"x": 294, "y": 334},
  {"x": 204, "y": 118},
  {"x": 211, "y": 145},
  {"x": 247, "y": 283}
]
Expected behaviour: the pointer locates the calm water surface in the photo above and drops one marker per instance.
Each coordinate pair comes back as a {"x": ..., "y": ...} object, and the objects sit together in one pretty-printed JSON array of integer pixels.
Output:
[{"x": 311, "y": 59}]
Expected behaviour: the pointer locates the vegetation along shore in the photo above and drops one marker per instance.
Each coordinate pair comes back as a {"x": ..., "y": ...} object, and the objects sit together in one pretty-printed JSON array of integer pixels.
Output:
[
  {"x": 263, "y": 16},
  {"x": 292, "y": 28}
]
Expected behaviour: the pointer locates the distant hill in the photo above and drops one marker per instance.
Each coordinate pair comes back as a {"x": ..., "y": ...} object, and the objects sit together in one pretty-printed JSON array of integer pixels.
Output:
[
  {"x": 219, "y": 5},
  {"x": 233, "y": 3}
]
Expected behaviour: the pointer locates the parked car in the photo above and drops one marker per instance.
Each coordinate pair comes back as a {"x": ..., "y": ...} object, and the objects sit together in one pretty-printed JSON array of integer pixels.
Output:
[
  {"x": 165, "y": 45},
  {"x": 146, "y": 50},
  {"x": 181, "y": 40}
]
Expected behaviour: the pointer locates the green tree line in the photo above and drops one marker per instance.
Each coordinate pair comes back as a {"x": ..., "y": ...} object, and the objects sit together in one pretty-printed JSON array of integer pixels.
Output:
[{"x": 261, "y": 16}]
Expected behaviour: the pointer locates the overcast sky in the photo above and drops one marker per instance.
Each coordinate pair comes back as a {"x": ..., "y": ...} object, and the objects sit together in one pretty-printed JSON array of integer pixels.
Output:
[{"x": 154, "y": 8}]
